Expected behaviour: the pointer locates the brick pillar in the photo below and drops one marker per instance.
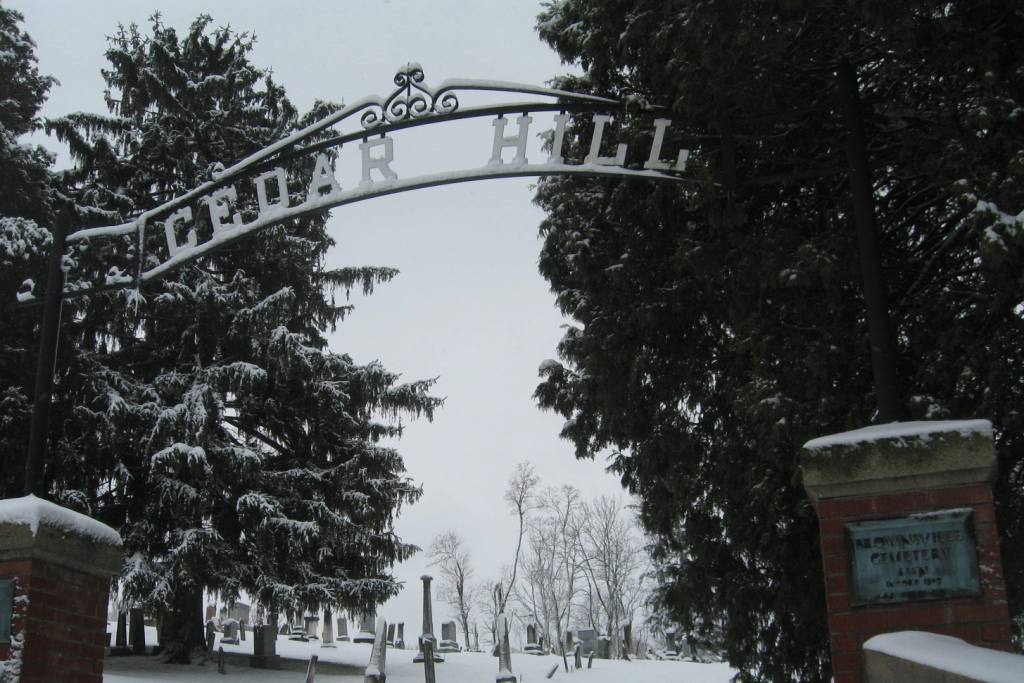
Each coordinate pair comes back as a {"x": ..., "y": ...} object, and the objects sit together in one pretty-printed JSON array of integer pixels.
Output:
[
  {"x": 908, "y": 535},
  {"x": 60, "y": 563}
]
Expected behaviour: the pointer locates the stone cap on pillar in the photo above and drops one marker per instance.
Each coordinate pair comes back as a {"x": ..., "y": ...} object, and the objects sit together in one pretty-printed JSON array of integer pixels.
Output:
[
  {"x": 35, "y": 529},
  {"x": 898, "y": 457}
]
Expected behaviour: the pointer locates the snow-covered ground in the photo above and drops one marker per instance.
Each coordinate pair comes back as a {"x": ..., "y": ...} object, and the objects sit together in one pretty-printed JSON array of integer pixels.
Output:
[{"x": 461, "y": 667}]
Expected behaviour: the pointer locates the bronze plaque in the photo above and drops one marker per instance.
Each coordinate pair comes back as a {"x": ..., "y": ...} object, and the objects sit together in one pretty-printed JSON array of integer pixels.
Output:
[{"x": 924, "y": 556}]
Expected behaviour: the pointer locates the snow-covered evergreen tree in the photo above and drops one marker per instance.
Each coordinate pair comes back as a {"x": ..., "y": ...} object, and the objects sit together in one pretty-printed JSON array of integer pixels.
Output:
[
  {"x": 25, "y": 214},
  {"x": 721, "y": 324},
  {"x": 208, "y": 420}
]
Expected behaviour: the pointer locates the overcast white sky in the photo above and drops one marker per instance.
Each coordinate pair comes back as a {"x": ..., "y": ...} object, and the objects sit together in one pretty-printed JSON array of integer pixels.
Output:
[{"x": 469, "y": 306}]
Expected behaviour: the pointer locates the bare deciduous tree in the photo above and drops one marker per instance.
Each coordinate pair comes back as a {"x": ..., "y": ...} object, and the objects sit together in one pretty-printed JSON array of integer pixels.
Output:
[
  {"x": 551, "y": 569},
  {"x": 520, "y": 498},
  {"x": 449, "y": 555},
  {"x": 613, "y": 561}
]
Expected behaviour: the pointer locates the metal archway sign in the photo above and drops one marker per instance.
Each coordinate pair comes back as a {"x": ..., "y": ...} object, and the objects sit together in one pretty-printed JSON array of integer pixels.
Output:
[
  {"x": 371, "y": 121},
  {"x": 168, "y": 235}
]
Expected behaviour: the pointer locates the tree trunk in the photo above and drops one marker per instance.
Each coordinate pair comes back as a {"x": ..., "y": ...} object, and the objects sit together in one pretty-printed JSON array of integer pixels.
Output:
[
  {"x": 464, "y": 618},
  {"x": 880, "y": 332},
  {"x": 181, "y": 630}
]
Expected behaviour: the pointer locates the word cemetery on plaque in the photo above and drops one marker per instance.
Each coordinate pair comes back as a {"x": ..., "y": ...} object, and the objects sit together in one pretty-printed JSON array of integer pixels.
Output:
[{"x": 920, "y": 557}]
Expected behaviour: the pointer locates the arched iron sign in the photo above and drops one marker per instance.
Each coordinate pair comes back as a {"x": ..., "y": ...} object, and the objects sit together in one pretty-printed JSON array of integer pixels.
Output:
[
  {"x": 167, "y": 236},
  {"x": 371, "y": 122}
]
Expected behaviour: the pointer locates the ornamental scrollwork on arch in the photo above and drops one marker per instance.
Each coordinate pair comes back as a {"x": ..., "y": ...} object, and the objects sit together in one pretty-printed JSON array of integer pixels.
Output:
[{"x": 411, "y": 100}]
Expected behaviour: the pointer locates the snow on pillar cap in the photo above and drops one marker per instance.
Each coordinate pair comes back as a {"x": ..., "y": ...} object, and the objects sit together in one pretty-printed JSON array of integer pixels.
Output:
[
  {"x": 899, "y": 456},
  {"x": 32, "y": 528}
]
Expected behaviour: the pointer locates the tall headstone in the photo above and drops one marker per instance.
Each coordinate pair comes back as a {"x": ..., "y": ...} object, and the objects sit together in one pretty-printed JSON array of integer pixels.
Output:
[
  {"x": 428, "y": 660},
  {"x": 55, "y": 569},
  {"x": 671, "y": 644},
  {"x": 400, "y": 643},
  {"x": 264, "y": 648},
  {"x": 121, "y": 635},
  {"x": 241, "y": 629},
  {"x": 327, "y": 637},
  {"x": 505, "y": 674},
  {"x": 343, "y": 630},
  {"x": 375, "y": 672},
  {"x": 918, "y": 497},
  {"x": 532, "y": 647},
  {"x": 391, "y": 635},
  {"x": 311, "y": 669},
  {"x": 137, "y": 631},
  {"x": 428, "y": 624},
  {"x": 272, "y": 620},
  {"x": 211, "y": 635}
]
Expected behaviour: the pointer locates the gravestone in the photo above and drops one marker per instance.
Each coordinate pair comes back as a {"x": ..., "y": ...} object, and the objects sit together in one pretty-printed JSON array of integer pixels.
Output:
[
  {"x": 375, "y": 672},
  {"x": 230, "y": 633},
  {"x": 121, "y": 636},
  {"x": 211, "y": 612},
  {"x": 427, "y": 647},
  {"x": 211, "y": 635},
  {"x": 264, "y": 648},
  {"x": 391, "y": 635},
  {"x": 327, "y": 637},
  {"x": 241, "y": 612},
  {"x": 241, "y": 630},
  {"x": 311, "y": 669},
  {"x": 671, "y": 648},
  {"x": 343, "y": 630},
  {"x": 137, "y": 631},
  {"x": 588, "y": 640},
  {"x": 272, "y": 620},
  {"x": 448, "y": 643},
  {"x": 400, "y": 643},
  {"x": 365, "y": 634},
  {"x": 532, "y": 647},
  {"x": 285, "y": 630},
  {"x": 568, "y": 641},
  {"x": 310, "y": 627},
  {"x": 428, "y": 624},
  {"x": 505, "y": 674},
  {"x": 603, "y": 647}
]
